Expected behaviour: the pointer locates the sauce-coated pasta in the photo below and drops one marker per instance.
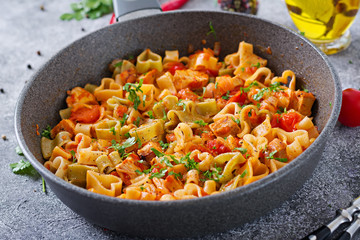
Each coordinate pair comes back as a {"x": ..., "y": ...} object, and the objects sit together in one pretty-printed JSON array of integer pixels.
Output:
[{"x": 180, "y": 127}]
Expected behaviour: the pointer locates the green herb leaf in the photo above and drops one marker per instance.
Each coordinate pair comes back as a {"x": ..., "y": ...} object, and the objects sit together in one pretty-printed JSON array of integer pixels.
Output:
[
  {"x": 72, "y": 152},
  {"x": 226, "y": 97},
  {"x": 118, "y": 64},
  {"x": 201, "y": 123},
  {"x": 164, "y": 145},
  {"x": 157, "y": 152},
  {"x": 242, "y": 150},
  {"x": 67, "y": 16},
  {"x": 236, "y": 120},
  {"x": 212, "y": 30},
  {"x": 112, "y": 130},
  {"x": 123, "y": 120},
  {"x": 23, "y": 168},
  {"x": 121, "y": 148},
  {"x": 46, "y": 132},
  {"x": 180, "y": 103},
  {"x": 244, "y": 173},
  {"x": 151, "y": 115},
  {"x": 137, "y": 121},
  {"x": 43, "y": 185},
  {"x": 159, "y": 174},
  {"x": 19, "y": 151}
]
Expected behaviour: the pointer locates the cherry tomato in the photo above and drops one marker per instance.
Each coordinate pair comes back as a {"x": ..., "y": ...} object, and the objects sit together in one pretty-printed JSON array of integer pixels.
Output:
[
  {"x": 176, "y": 66},
  {"x": 289, "y": 120},
  {"x": 239, "y": 97},
  {"x": 217, "y": 147},
  {"x": 350, "y": 108}
]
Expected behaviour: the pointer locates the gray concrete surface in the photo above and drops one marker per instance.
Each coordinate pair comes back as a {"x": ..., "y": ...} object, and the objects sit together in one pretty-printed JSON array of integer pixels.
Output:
[{"x": 27, "y": 213}]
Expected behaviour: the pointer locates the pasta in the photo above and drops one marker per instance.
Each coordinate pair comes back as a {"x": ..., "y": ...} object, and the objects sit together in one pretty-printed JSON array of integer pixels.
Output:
[{"x": 177, "y": 128}]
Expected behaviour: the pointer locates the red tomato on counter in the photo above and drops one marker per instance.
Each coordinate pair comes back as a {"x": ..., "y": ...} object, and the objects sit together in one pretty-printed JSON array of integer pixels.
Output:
[{"x": 350, "y": 108}]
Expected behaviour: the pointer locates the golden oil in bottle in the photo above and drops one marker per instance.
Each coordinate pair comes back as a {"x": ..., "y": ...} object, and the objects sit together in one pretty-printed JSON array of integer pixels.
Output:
[{"x": 322, "y": 20}]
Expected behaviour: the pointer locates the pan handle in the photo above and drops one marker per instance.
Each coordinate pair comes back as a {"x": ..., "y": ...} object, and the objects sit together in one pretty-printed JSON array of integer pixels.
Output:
[{"x": 122, "y": 7}]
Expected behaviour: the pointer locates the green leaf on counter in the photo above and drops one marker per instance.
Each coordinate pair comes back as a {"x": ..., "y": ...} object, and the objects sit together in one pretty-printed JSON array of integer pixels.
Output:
[{"x": 23, "y": 168}]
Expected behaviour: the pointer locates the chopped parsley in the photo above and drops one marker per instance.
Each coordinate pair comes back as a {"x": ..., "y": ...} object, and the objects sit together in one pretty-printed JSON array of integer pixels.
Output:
[
  {"x": 164, "y": 117},
  {"x": 123, "y": 120},
  {"x": 247, "y": 89},
  {"x": 164, "y": 145},
  {"x": 256, "y": 65},
  {"x": 180, "y": 103},
  {"x": 72, "y": 152},
  {"x": 46, "y": 132},
  {"x": 244, "y": 173},
  {"x": 274, "y": 87},
  {"x": 213, "y": 174},
  {"x": 237, "y": 121},
  {"x": 151, "y": 115},
  {"x": 201, "y": 123},
  {"x": 226, "y": 97},
  {"x": 212, "y": 30},
  {"x": 271, "y": 156},
  {"x": 305, "y": 90},
  {"x": 302, "y": 33},
  {"x": 242, "y": 150},
  {"x": 216, "y": 85},
  {"x": 330, "y": 104},
  {"x": 249, "y": 113},
  {"x": 112, "y": 130},
  {"x": 121, "y": 148},
  {"x": 132, "y": 89},
  {"x": 137, "y": 121},
  {"x": 350, "y": 62},
  {"x": 118, "y": 64},
  {"x": 242, "y": 69},
  {"x": 159, "y": 174}
]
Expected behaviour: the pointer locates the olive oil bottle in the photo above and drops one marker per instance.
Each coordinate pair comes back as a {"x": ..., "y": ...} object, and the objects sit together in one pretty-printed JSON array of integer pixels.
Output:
[{"x": 323, "y": 20}]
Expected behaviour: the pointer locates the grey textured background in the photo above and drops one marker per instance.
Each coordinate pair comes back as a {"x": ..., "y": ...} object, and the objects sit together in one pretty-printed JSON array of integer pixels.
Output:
[{"x": 27, "y": 213}]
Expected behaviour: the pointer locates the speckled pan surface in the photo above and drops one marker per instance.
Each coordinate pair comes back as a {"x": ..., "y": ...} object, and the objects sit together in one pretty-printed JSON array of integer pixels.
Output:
[{"x": 86, "y": 60}]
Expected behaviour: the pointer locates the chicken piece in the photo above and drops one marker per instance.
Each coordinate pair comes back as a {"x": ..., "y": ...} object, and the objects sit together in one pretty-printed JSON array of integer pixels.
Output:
[
  {"x": 80, "y": 95},
  {"x": 302, "y": 102},
  {"x": 126, "y": 169},
  {"x": 190, "y": 79},
  {"x": 278, "y": 146},
  {"x": 173, "y": 183},
  {"x": 225, "y": 126},
  {"x": 146, "y": 153},
  {"x": 64, "y": 125}
]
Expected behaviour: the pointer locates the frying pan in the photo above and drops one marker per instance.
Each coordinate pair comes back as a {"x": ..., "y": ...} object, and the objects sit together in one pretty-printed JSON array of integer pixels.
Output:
[{"x": 86, "y": 61}]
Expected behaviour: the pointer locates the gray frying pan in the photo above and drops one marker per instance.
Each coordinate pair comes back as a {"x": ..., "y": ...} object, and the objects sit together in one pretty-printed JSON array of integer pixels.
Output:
[{"x": 86, "y": 61}]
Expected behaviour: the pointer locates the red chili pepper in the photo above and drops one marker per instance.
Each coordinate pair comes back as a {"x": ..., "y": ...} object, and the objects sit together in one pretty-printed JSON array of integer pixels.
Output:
[
  {"x": 350, "y": 108},
  {"x": 173, "y": 5},
  {"x": 113, "y": 19},
  {"x": 168, "y": 6}
]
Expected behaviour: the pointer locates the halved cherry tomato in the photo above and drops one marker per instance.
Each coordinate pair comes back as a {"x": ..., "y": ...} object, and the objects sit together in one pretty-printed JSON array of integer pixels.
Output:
[
  {"x": 251, "y": 70},
  {"x": 175, "y": 66},
  {"x": 275, "y": 121},
  {"x": 350, "y": 108},
  {"x": 289, "y": 120},
  {"x": 239, "y": 97},
  {"x": 217, "y": 147}
]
